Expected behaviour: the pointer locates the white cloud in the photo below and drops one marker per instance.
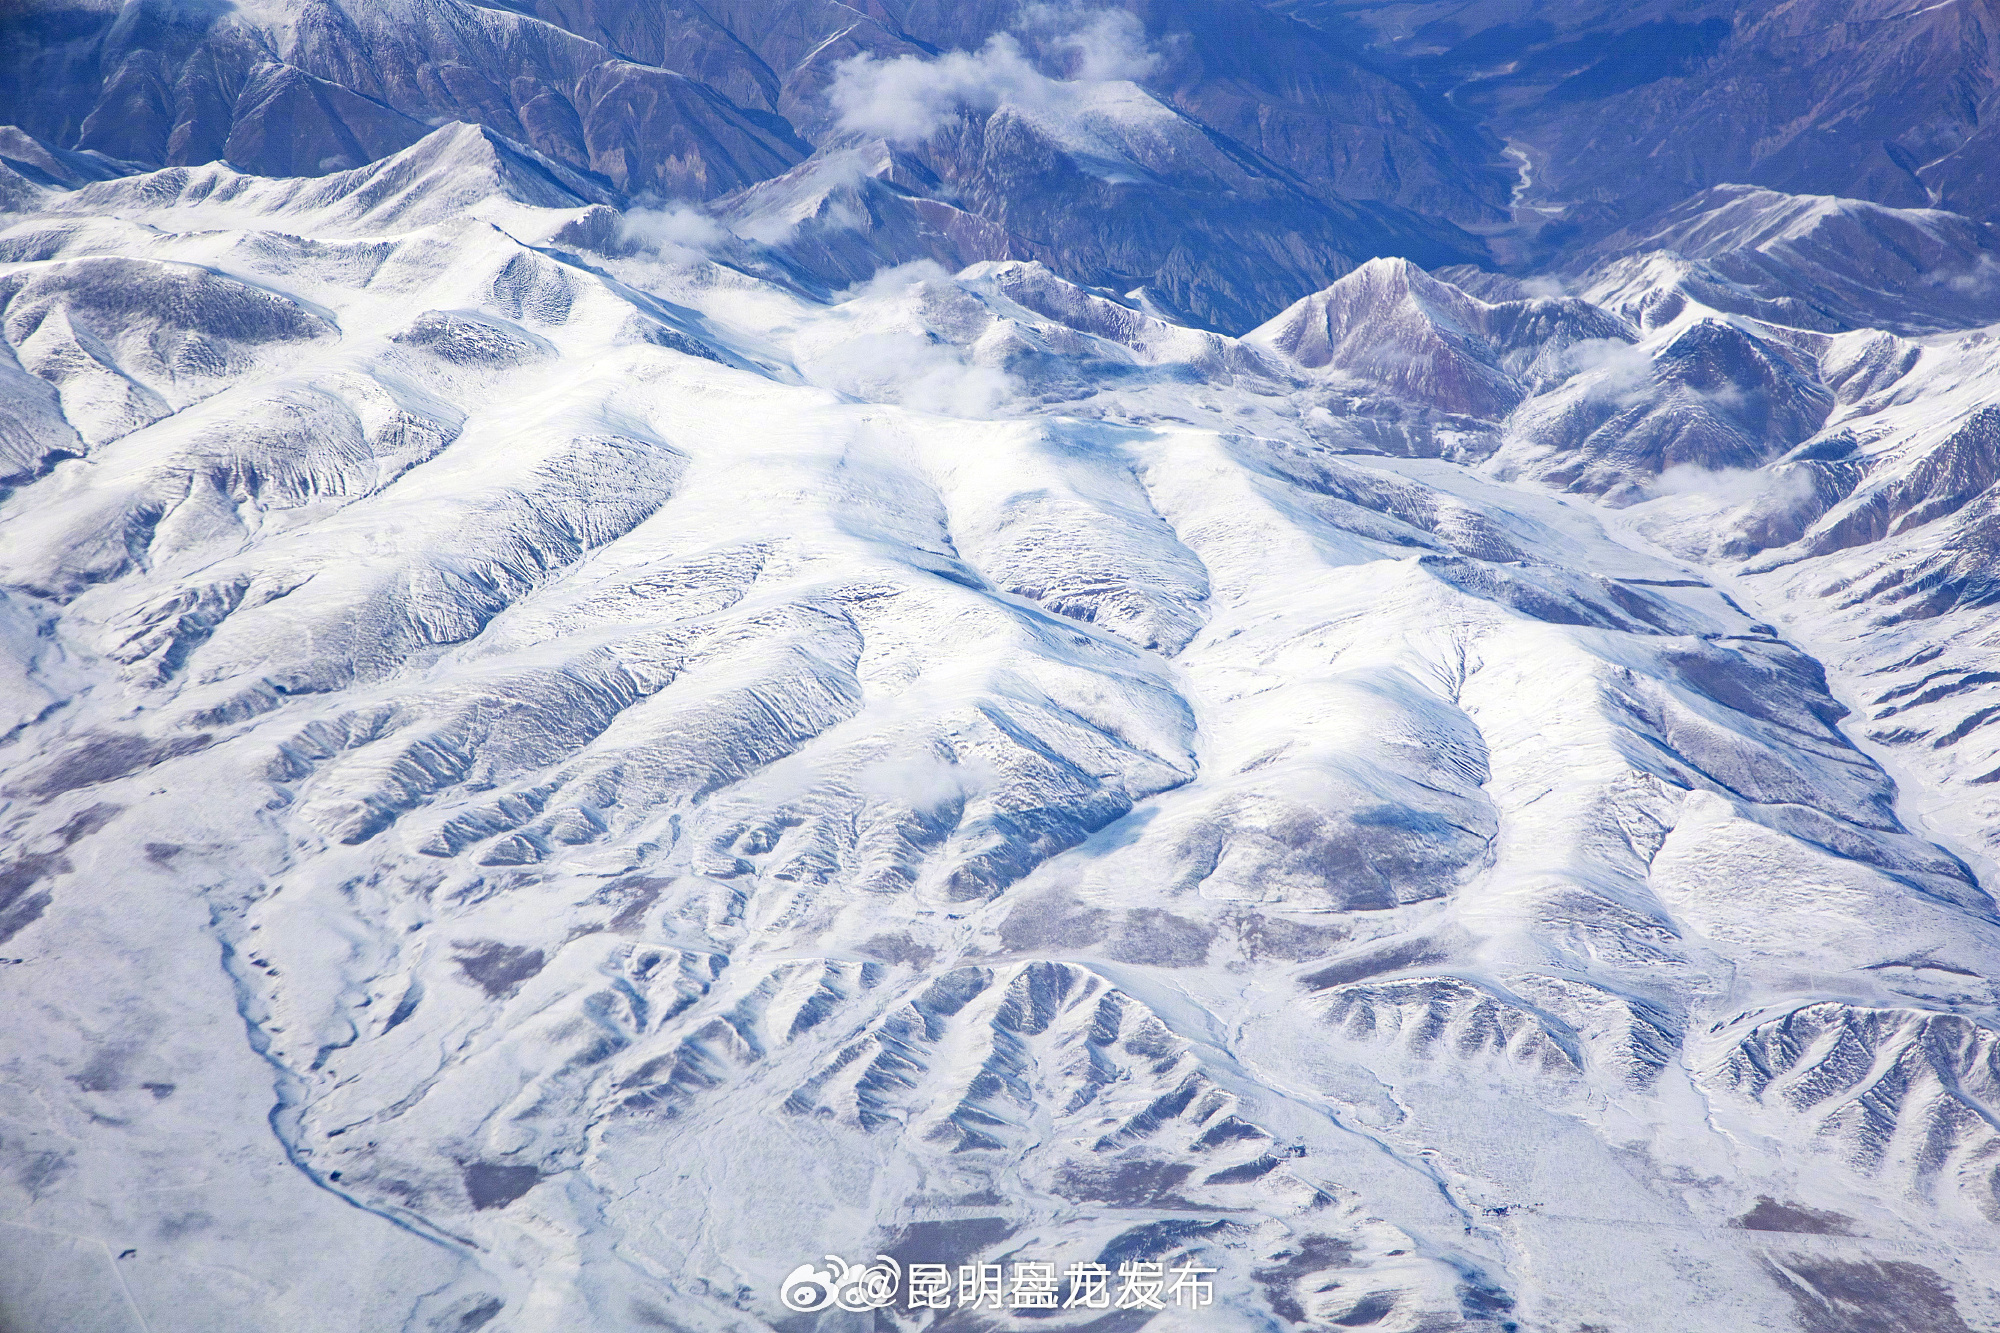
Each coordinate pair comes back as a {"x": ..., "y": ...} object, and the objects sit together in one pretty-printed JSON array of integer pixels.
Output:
[
  {"x": 1728, "y": 397},
  {"x": 1619, "y": 371},
  {"x": 887, "y": 355},
  {"x": 910, "y": 369},
  {"x": 675, "y": 232},
  {"x": 898, "y": 280},
  {"x": 926, "y": 781},
  {"x": 908, "y": 99},
  {"x": 1979, "y": 280},
  {"x": 1778, "y": 487},
  {"x": 1728, "y": 484},
  {"x": 1094, "y": 47},
  {"x": 1621, "y": 374}
]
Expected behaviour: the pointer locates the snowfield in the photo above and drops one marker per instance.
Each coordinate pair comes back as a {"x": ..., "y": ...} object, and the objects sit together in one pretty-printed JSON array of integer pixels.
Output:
[{"x": 557, "y": 767}]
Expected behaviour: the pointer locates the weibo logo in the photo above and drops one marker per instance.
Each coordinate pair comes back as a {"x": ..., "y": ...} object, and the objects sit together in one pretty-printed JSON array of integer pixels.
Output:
[{"x": 850, "y": 1286}]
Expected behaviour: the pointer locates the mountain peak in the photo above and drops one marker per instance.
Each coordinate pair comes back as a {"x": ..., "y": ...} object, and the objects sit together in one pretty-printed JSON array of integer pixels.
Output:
[
  {"x": 454, "y": 171},
  {"x": 1391, "y": 322},
  {"x": 1823, "y": 261}
]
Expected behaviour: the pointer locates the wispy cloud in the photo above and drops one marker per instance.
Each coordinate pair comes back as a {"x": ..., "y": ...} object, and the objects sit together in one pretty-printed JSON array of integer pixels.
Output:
[
  {"x": 905, "y": 365},
  {"x": 1091, "y": 46},
  {"x": 1777, "y": 487},
  {"x": 926, "y": 781},
  {"x": 908, "y": 99},
  {"x": 674, "y": 232},
  {"x": 1618, "y": 372},
  {"x": 1982, "y": 279}
]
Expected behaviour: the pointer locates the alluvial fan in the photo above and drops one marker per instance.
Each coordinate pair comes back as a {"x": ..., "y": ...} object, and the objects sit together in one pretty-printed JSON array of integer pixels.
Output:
[{"x": 570, "y": 762}]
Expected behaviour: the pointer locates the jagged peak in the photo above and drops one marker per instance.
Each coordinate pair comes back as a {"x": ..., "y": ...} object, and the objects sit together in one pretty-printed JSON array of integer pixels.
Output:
[
  {"x": 439, "y": 178},
  {"x": 1042, "y": 285},
  {"x": 1391, "y": 322},
  {"x": 1810, "y": 261},
  {"x": 1310, "y": 327},
  {"x": 1034, "y": 287},
  {"x": 462, "y": 148},
  {"x": 1727, "y": 218}
]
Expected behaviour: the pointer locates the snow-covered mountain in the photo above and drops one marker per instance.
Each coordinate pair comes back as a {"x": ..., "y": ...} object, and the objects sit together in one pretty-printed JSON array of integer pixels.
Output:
[{"x": 563, "y": 755}]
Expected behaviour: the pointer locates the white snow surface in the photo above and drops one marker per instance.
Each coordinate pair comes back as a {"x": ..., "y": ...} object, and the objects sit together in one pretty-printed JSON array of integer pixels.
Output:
[{"x": 543, "y": 788}]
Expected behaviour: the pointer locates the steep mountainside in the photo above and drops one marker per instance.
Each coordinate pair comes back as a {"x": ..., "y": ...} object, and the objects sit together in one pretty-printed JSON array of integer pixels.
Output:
[{"x": 1035, "y": 124}]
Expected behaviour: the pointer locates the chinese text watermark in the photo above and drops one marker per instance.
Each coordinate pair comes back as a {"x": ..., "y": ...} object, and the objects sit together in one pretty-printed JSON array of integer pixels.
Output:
[{"x": 1135, "y": 1284}]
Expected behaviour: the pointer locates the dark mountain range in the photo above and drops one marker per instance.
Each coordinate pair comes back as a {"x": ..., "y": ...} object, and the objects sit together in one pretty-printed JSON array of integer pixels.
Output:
[
  {"x": 1621, "y": 109},
  {"x": 1317, "y": 135}
]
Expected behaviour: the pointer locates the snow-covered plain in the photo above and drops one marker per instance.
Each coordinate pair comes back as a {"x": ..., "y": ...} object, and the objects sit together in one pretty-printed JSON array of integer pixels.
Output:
[{"x": 552, "y": 775}]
